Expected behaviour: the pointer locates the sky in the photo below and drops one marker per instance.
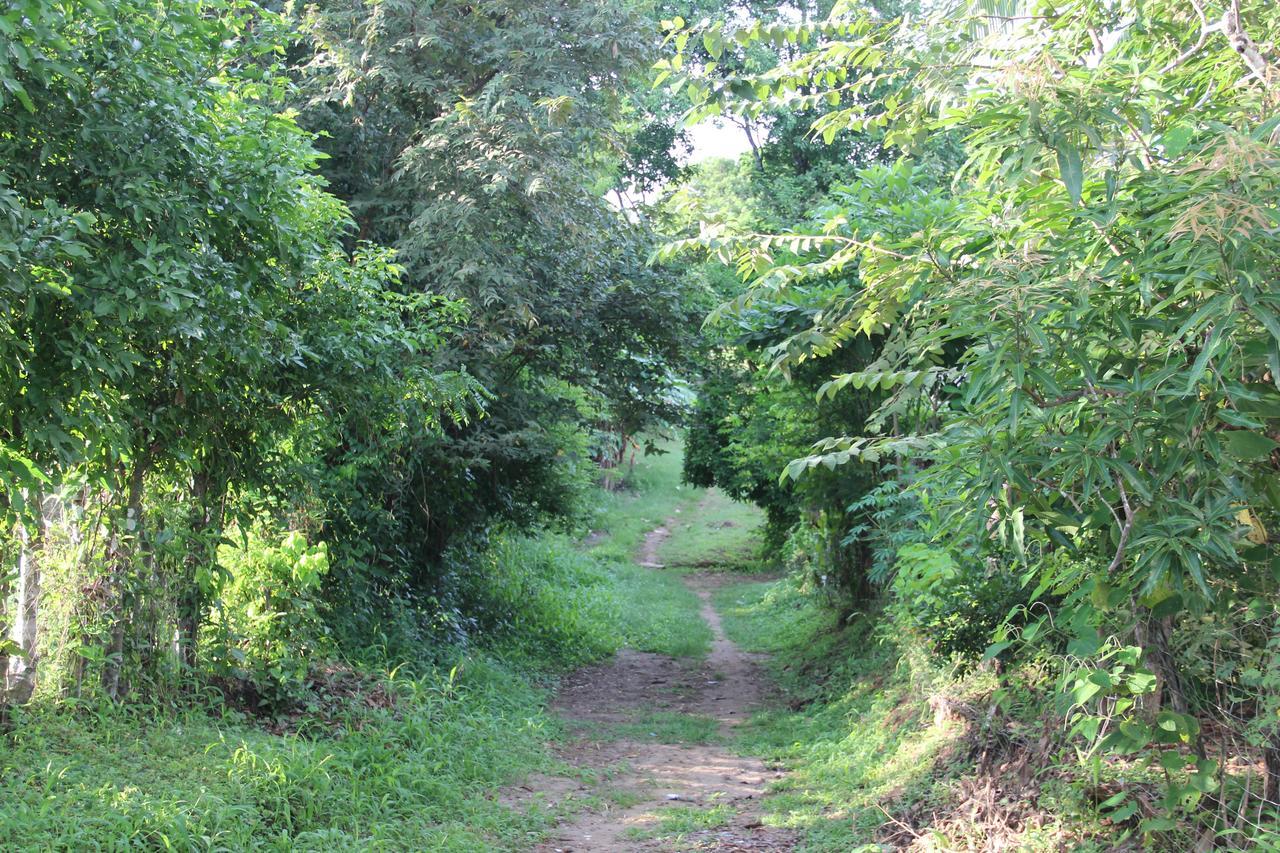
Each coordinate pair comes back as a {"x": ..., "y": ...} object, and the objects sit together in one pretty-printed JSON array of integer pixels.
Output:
[{"x": 714, "y": 138}]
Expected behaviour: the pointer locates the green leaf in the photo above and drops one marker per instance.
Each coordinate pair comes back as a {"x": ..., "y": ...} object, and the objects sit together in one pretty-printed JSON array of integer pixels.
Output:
[
  {"x": 1072, "y": 170},
  {"x": 1175, "y": 139},
  {"x": 1249, "y": 446},
  {"x": 1083, "y": 691},
  {"x": 995, "y": 649}
]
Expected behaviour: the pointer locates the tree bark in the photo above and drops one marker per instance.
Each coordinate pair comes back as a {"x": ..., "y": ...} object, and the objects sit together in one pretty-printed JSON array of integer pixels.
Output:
[
  {"x": 1155, "y": 637},
  {"x": 191, "y": 597},
  {"x": 120, "y": 555},
  {"x": 21, "y": 670},
  {"x": 1271, "y": 760},
  {"x": 6, "y": 587}
]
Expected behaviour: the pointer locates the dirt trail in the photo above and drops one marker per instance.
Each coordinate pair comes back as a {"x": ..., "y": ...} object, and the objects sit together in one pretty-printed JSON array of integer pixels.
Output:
[{"x": 650, "y": 782}]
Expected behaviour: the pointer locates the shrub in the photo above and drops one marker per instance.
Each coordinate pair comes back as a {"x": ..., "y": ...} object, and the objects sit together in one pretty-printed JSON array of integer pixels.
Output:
[
  {"x": 266, "y": 626},
  {"x": 954, "y": 606},
  {"x": 535, "y": 598}
]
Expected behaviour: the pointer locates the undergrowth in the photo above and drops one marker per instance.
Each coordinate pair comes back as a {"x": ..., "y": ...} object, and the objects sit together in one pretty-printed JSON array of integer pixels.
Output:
[
  {"x": 882, "y": 751},
  {"x": 406, "y": 758},
  {"x": 410, "y": 775}
]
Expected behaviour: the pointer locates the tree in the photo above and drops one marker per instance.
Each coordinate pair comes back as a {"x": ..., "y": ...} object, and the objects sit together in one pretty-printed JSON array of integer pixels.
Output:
[
  {"x": 1082, "y": 330},
  {"x": 479, "y": 140},
  {"x": 180, "y": 296}
]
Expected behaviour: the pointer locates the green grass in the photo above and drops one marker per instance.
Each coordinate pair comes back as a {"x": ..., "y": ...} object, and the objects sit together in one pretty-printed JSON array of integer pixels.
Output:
[
  {"x": 650, "y": 494},
  {"x": 657, "y": 613},
  {"x": 679, "y": 820},
  {"x": 856, "y": 727},
  {"x": 715, "y": 532},
  {"x": 670, "y": 727},
  {"x": 862, "y": 740},
  {"x": 416, "y": 776}
]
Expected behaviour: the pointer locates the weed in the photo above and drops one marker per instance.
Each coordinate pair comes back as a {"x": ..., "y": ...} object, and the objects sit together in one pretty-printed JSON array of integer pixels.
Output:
[
  {"x": 862, "y": 746},
  {"x": 669, "y": 727}
]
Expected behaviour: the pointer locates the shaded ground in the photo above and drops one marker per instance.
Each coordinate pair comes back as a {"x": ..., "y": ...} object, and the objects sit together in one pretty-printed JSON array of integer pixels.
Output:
[{"x": 655, "y": 728}]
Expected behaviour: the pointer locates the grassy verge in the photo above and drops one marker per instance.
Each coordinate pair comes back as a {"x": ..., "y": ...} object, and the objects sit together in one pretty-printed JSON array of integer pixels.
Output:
[
  {"x": 666, "y": 727},
  {"x": 400, "y": 763},
  {"x": 872, "y": 763},
  {"x": 407, "y": 766}
]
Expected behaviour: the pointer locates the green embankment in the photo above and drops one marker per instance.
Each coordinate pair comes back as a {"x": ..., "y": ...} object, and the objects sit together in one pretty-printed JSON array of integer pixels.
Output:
[
  {"x": 407, "y": 760},
  {"x": 866, "y": 756}
]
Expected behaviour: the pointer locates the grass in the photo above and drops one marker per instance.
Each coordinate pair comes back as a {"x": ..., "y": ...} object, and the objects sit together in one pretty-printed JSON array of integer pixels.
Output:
[
  {"x": 715, "y": 533},
  {"x": 857, "y": 738},
  {"x": 658, "y": 613},
  {"x": 674, "y": 822},
  {"x": 840, "y": 747},
  {"x": 650, "y": 494},
  {"x": 670, "y": 727},
  {"x": 417, "y": 769},
  {"x": 416, "y": 775}
]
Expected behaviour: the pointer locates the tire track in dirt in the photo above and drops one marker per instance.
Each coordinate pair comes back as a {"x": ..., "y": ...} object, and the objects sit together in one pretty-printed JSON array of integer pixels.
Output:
[{"x": 650, "y": 781}]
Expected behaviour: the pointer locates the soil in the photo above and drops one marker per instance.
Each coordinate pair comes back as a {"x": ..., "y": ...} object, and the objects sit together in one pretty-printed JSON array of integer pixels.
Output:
[{"x": 647, "y": 779}]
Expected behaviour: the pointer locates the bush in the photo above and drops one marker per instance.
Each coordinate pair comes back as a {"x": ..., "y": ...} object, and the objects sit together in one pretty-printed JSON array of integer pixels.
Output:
[
  {"x": 954, "y": 606},
  {"x": 266, "y": 626},
  {"x": 533, "y": 598}
]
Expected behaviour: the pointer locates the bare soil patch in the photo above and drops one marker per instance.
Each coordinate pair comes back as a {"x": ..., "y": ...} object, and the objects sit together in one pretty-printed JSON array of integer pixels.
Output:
[
  {"x": 653, "y": 540},
  {"x": 656, "y": 789}
]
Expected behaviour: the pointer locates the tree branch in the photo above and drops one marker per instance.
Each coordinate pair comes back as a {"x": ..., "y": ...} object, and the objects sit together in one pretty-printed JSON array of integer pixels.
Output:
[
  {"x": 1245, "y": 46},
  {"x": 1205, "y": 29}
]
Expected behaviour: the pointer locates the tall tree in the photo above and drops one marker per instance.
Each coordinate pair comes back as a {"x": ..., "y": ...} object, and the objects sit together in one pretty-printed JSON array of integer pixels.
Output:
[{"x": 478, "y": 139}]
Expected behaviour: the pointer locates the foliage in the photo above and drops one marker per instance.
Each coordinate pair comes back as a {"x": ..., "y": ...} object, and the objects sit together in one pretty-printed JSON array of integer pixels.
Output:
[
  {"x": 1077, "y": 338},
  {"x": 406, "y": 758},
  {"x": 954, "y": 607},
  {"x": 188, "y": 326},
  {"x": 468, "y": 137},
  {"x": 1101, "y": 365},
  {"x": 873, "y": 760},
  {"x": 388, "y": 339},
  {"x": 537, "y": 596},
  {"x": 266, "y": 628}
]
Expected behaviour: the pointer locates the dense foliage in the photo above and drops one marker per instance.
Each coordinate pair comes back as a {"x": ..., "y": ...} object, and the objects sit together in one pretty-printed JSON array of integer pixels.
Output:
[
  {"x": 304, "y": 307},
  {"x": 1078, "y": 361},
  {"x": 322, "y": 321}
]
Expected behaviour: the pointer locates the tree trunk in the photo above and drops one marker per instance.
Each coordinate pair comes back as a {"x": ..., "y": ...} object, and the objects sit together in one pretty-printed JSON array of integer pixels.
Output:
[
  {"x": 6, "y": 587},
  {"x": 755, "y": 149},
  {"x": 191, "y": 597},
  {"x": 1155, "y": 637},
  {"x": 121, "y": 557},
  {"x": 21, "y": 670},
  {"x": 1271, "y": 760}
]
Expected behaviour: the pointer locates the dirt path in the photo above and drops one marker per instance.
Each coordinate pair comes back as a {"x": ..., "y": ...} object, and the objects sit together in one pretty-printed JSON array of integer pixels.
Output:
[{"x": 695, "y": 795}]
